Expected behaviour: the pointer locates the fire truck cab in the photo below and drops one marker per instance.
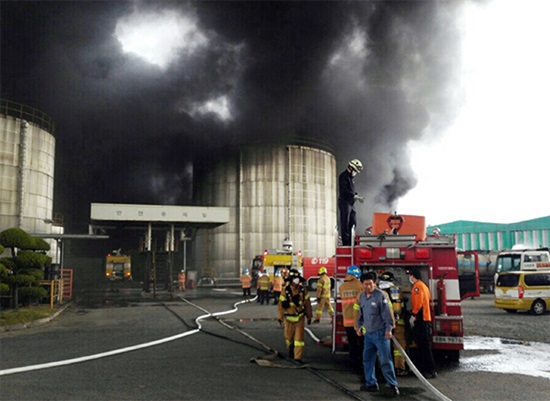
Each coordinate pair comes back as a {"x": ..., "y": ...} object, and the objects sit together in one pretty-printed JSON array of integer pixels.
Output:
[
  {"x": 118, "y": 266},
  {"x": 396, "y": 244}
]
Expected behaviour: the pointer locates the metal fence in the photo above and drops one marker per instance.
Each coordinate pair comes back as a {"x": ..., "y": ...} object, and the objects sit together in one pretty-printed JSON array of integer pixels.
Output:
[{"x": 27, "y": 113}]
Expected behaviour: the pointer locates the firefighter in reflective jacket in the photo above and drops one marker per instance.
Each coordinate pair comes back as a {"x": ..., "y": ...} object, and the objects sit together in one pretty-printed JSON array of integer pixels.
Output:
[
  {"x": 293, "y": 310},
  {"x": 263, "y": 288},
  {"x": 246, "y": 283},
  {"x": 349, "y": 290},
  {"x": 277, "y": 286},
  {"x": 387, "y": 283},
  {"x": 323, "y": 295}
]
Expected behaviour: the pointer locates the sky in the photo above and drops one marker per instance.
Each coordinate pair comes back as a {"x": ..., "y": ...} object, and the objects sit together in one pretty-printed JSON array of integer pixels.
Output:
[{"x": 442, "y": 100}]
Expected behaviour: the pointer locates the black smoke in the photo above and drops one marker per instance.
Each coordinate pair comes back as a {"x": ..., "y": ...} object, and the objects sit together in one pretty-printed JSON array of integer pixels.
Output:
[{"x": 365, "y": 77}]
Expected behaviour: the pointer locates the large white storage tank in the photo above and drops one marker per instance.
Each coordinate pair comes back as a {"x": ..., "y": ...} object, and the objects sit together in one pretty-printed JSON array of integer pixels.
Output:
[
  {"x": 27, "y": 160},
  {"x": 273, "y": 192}
]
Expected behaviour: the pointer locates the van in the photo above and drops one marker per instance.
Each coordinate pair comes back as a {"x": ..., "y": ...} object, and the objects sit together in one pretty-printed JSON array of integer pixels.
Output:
[{"x": 523, "y": 290}]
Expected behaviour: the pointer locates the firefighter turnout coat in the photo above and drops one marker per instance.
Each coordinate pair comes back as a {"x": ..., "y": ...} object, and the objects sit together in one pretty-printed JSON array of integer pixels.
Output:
[{"x": 294, "y": 308}]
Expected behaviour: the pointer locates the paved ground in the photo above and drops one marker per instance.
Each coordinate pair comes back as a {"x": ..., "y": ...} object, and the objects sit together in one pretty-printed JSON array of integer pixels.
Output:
[{"x": 215, "y": 364}]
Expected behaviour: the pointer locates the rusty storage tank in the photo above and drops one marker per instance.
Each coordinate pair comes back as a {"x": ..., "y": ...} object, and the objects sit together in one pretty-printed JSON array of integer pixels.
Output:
[
  {"x": 273, "y": 192},
  {"x": 27, "y": 159}
]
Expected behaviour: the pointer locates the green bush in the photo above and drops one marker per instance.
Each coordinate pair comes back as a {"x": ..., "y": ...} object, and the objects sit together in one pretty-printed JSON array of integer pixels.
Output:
[
  {"x": 40, "y": 245},
  {"x": 16, "y": 238},
  {"x": 26, "y": 259},
  {"x": 28, "y": 294}
]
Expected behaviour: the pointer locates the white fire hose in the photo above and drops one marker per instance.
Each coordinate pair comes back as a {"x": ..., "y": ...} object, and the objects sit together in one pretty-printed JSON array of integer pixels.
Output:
[{"x": 417, "y": 373}]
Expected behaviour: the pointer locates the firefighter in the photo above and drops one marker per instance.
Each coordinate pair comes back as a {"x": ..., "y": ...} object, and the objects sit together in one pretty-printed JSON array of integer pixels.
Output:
[
  {"x": 246, "y": 283},
  {"x": 349, "y": 290},
  {"x": 420, "y": 322},
  {"x": 263, "y": 288},
  {"x": 346, "y": 199},
  {"x": 387, "y": 283},
  {"x": 323, "y": 295},
  {"x": 294, "y": 309},
  {"x": 181, "y": 280},
  {"x": 277, "y": 286}
]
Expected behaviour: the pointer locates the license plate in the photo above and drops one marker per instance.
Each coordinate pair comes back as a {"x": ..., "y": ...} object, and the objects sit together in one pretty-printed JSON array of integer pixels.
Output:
[{"x": 448, "y": 340}]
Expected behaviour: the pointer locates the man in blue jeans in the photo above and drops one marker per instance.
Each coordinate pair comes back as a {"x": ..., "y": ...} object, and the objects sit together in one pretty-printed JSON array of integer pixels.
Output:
[{"x": 375, "y": 322}]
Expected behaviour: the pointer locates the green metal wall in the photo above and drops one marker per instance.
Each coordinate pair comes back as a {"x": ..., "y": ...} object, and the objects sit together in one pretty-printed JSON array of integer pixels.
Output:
[{"x": 474, "y": 235}]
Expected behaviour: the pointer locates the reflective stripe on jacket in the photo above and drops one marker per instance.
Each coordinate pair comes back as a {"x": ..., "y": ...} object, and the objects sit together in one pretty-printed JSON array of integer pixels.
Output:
[
  {"x": 323, "y": 287},
  {"x": 349, "y": 290}
]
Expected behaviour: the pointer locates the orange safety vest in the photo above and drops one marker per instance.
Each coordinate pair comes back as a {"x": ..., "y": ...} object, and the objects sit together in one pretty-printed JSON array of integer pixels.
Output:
[
  {"x": 278, "y": 283},
  {"x": 245, "y": 280}
]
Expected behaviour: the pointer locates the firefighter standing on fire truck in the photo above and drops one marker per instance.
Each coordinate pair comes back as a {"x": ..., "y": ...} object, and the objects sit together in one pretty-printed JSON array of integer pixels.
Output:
[
  {"x": 420, "y": 323},
  {"x": 323, "y": 295},
  {"x": 293, "y": 309},
  {"x": 349, "y": 291},
  {"x": 346, "y": 199}
]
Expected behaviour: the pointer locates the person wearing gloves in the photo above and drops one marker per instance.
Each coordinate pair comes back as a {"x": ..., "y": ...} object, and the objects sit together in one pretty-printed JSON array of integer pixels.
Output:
[
  {"x": 323, "y": 295},
  {"x": 346, "y": 199},
  {"x": 294, "y": 309},
  {"x": 420, "y": 322},
  {"x": 376, "y": 317}
]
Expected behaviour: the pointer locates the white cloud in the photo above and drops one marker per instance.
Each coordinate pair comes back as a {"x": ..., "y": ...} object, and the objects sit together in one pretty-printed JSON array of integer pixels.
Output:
[
  {"x": 159, "y": 36},
  {"x": 491, "y": 165}
]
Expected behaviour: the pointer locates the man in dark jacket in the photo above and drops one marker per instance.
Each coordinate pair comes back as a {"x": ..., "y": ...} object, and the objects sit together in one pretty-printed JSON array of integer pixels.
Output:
[{"x": 346, "y": 199}]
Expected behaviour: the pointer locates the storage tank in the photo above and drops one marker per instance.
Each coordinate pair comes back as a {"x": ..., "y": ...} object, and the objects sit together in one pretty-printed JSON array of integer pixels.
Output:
[
  {"x": 273, "y": 192},
  {"x": 27, "y": 159}
]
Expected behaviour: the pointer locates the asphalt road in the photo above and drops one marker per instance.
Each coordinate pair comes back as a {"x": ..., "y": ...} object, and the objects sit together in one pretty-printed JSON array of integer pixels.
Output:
[{"x": 218, "y": 362}]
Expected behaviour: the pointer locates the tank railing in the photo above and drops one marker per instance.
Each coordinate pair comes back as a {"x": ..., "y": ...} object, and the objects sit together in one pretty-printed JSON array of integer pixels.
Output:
[{"x": 27, "y": 113}]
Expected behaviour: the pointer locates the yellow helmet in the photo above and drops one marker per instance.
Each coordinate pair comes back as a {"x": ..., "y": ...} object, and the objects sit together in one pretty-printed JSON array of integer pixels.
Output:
[{"x": 322, "y": 270}]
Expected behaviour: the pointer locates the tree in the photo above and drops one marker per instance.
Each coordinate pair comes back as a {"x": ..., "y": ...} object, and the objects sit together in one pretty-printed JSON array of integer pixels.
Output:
[{"x": 25, "y": 268}]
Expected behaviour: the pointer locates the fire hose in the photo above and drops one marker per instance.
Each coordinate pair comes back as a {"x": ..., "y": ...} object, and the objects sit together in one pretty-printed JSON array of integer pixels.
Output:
[{"x": 417, "y": 373}]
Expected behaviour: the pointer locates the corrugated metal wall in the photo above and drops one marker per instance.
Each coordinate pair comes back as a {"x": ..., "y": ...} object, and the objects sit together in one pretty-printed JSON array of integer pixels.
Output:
[
  {"x": 272, "y": 193},
  {"x": 27, "y": 160},
  {"x": 493, "y": 237}
]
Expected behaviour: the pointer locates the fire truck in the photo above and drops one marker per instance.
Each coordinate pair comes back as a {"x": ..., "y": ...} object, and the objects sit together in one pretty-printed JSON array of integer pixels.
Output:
[
  {"x": 311, "y": 265},
  {"x": 396, "y": 244},
  {"x": 118, "y": 266},
  {"x": 273, "y": 259}
]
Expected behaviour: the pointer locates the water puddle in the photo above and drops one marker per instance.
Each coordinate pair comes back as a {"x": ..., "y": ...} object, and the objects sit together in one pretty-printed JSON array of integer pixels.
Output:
[{"x": 505, "y": 356}]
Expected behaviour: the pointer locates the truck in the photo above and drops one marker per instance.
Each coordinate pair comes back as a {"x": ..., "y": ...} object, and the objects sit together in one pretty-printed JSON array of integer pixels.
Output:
[
  {"x": 273, "y": 259},
  {"x": 311, "y": 266},
  {"x": 486, "y": 268},
  {"x": 396, "y": 244},
  {"x": 523, "y": 259},
  {"x": 118, "y": 266}
]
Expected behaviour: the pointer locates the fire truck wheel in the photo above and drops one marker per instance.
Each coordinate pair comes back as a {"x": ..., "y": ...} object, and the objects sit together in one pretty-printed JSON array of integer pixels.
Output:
[{"x": 538, "y": 307}]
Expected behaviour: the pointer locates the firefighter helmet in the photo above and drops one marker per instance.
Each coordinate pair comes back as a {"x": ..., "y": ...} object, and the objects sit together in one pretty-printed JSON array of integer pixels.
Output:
[
  {"x": 354, "y": 271},
  {"x": 322, "y": 270},
  {"x": 356, "y": 165},
  {"x": 293, "y": 273},
  {"x": 386, "y": 276}
]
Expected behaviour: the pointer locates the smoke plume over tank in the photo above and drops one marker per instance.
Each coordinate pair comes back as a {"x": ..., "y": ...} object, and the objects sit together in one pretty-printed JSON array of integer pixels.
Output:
[{"x": 365, "y": 77}]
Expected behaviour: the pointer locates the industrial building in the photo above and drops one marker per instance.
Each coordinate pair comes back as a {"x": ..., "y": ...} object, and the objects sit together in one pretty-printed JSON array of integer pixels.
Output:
[
  {"x": 272, "y": 192},
  {"x": 474, "y": 235},
  {"x": 27, "y": 160}
]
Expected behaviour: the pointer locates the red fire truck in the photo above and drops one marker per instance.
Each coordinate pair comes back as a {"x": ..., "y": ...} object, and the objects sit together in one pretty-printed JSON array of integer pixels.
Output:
[{"x": 395, "y": 244}]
